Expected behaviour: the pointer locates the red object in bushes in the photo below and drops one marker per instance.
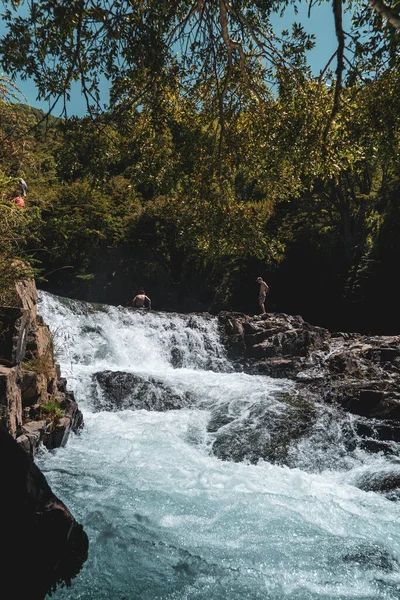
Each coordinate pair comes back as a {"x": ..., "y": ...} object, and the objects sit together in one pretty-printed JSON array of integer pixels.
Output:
[{"x": 18, "y": 201}]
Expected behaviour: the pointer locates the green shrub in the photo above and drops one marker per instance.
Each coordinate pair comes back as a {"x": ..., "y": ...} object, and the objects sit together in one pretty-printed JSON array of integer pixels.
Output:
[{"x": 52, "y": 411}]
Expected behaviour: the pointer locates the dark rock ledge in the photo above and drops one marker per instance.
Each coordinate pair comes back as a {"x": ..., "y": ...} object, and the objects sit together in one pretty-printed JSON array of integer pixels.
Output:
[
  {"x": 43, "y": 545},
  {"x": 359, "y": 374}
]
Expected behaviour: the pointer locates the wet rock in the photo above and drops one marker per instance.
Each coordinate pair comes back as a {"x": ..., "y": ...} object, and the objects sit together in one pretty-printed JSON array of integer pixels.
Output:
[
  {"x": 271, "y": 336},
  {"x": 263, "y": 433},
  {"x": 374, "y": 403},
  {"x": 276, "y": 367},
  {"x": 383, "y": 483},
  {"x": 376, "y": 446},
  {"x": 358, "y": 372},
  {"x": 118, "y": 390},
  {"x": 382, "y": 354},
  {"x": 176, "y": 357},
  {"x": 250, "y": 328},
  {"x": 219, "y": 418},
  {"x": 369, "y": 555},
  {"x": 343, "y": 363},
  {"x": 43, "y": 545}
]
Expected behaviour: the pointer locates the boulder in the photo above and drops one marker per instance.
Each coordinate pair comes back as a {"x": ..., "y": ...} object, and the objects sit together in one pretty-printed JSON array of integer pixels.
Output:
[
  {"x": 42, "y": 543},
  {"x": 118, "y": 390},
  {"x": 266, "y": 432}
]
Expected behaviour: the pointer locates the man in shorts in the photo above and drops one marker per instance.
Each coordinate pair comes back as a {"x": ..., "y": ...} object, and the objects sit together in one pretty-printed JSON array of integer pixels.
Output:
[{"x": 262, "y": 294}]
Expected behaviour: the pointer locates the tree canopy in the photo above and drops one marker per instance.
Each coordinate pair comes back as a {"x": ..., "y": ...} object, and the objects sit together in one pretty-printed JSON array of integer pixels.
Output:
[
  {"x": 221, "y": 155},
  {"x": 211, "y": 50}
]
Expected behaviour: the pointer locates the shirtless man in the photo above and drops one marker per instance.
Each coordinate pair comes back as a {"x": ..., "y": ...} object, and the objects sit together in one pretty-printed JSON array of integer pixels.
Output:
[
  {"x": 262, "y": 294},
  {"x": 141, "y": 301}
]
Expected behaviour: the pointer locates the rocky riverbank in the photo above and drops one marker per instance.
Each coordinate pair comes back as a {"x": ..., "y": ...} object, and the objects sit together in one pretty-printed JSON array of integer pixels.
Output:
[
  {"x": 352, "y": 373},
  {"x": 358, "y": 373},
  {"x": 35, "y": 405},
  {"x": 42, "y": 542}
]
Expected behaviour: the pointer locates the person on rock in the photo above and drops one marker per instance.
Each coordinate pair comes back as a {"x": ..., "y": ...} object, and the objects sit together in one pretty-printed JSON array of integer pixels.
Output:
[
  {"x": 141, "y": 300},
  {"x": 262, "y": 294}
]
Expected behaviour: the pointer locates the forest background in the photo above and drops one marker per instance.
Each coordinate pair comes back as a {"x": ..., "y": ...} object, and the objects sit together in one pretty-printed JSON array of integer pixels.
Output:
[{"x": 220, "y": 157}]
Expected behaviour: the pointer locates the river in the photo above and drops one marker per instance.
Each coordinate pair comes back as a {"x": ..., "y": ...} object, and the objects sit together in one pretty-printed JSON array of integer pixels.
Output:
[{"x": 169, "y": 520}]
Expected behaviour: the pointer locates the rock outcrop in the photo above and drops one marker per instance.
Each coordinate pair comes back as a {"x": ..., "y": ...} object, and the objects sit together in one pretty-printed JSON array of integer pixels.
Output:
[
  {"x": 42, "y": 543},
  {"x": 359, "y": 373},
  {"x": 35, "y": 405},
  {"x": 117, "y": 390},
  {"x": 277, "y": 345}
]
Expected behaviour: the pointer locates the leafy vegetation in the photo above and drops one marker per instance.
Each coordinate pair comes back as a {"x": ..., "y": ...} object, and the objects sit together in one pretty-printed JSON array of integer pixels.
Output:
[
  {"x": 52, "y": 411},
  {"x": 200, "y": 175}
]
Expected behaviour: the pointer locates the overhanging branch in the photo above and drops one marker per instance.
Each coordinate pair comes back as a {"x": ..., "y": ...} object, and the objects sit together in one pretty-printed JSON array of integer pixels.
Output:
[
  {"x": 337, "y": 12},
  {"x": 386, "y": 12}
]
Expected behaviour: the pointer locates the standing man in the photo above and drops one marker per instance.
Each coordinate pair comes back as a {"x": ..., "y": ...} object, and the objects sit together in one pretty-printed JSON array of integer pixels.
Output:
[
  {"x": 141, "y": 300},
  {"x": 262, "y": 294}
]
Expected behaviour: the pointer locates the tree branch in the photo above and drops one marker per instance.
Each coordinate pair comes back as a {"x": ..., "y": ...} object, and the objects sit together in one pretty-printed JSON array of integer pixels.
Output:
[
  {"x": 386, "y": 12},
  {"x": 337, "y": 12},
  {"x": 197, "y": 7},
  {"x": 224, "y": 7}
]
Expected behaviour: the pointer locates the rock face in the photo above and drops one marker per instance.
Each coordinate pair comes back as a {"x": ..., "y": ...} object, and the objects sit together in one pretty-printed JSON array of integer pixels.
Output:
[
  {"x": 359, "y": 373},
  {"x": 35, "y": 405},
  {"x": 277, "y": 345},
  {"x": 42, "y": 543},
  {"x": 362, "y": 373}
]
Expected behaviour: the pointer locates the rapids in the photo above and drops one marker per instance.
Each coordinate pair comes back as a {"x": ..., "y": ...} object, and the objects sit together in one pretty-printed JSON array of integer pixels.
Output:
[{"x": 169, "y": 520}]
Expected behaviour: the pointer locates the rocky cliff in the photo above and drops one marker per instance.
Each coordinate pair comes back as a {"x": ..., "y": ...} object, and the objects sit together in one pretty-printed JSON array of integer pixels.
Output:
[
  {"x": 35, "y": 405},
  {"x": 40, "y": 537}
]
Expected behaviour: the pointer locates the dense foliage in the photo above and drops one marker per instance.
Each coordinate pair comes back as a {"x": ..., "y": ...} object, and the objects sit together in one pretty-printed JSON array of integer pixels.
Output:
[{"x": 199, "y": 177}]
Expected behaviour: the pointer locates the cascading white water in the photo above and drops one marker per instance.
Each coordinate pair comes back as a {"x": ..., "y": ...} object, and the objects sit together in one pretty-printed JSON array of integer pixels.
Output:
[{"x": 169, "y": 520}]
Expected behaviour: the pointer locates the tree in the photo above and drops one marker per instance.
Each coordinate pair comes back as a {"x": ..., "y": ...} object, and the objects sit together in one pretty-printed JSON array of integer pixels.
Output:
[
  {"x": 16, "y": 225},
  {"x": 213, "y": 47},
  {"x": 212, "y": 50}
]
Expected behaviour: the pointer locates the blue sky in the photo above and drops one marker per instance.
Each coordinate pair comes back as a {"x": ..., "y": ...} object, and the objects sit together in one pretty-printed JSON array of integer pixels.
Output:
[{"x": 320, "y": 23}]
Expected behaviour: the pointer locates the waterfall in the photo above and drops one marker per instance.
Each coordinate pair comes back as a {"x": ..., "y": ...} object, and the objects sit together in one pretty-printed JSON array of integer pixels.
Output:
[{"x": 194, "y": 481}]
